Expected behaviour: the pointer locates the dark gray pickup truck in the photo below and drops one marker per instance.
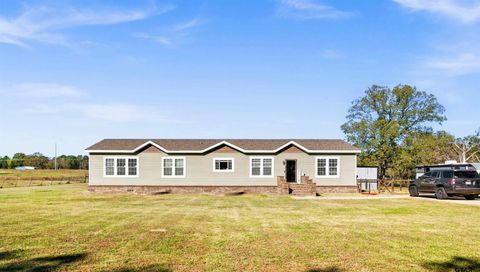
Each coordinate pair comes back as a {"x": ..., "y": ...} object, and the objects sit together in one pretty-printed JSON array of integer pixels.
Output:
[{"x": 445, "y": 183}]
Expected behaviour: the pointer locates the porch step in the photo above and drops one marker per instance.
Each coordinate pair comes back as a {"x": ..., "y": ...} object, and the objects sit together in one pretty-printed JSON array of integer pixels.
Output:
[
  {"x": 303, "y": 189},
  {"x": 298, "y": 185},
  {"x": 306, "y": 188},
  {"x": 302, "y": 193}
]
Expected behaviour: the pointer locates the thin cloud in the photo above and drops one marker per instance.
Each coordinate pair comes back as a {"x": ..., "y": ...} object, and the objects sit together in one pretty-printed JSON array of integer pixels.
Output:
[
  {"x": 163, "y": 40},
  {"x": 173, "y": 34},
  {"x": 307, "y": 9},
  {"x": 43, "y": 90},
  {"x": 119, "y": 112},
  {"x": 187, "y": 25},
  {"x": 42, "y": 98},
  {"x": 463, "y": 63},
  {"x": 462, "y": 12},
  {"x": 116, "y": 112},
  {"x": 332, "y": 54},
  {"x": 44, "y": 24}
]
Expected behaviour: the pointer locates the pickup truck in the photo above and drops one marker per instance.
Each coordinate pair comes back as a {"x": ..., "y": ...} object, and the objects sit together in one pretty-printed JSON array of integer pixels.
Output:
[{"x": 445, "y": 183}]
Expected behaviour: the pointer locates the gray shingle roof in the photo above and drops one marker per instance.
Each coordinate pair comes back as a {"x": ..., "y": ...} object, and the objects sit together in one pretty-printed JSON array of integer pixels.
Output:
[{"x": 203, "y": 144}]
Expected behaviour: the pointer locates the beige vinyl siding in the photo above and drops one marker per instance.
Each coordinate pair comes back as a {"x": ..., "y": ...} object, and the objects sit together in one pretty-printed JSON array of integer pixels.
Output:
[{"x": 199, "y": 169}]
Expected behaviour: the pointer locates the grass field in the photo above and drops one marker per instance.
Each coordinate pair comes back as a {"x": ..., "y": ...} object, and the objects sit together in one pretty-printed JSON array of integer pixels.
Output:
[
  {"x": 19, "y": 178},
  {"x": 66, "y": 228},
  {"x": 42, "y": 173}
]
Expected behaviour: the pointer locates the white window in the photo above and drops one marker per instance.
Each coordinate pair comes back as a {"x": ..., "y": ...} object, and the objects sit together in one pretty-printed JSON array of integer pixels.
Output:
[
  {"x": 261, "y": 167},
  {"x": 121, "y": 167},
  {"x": 132, "y": 167},
  {"x": 223, "y": 165},
  {"x": 109, "y": 167},
  {"x": 173, "y": 167},
  {"x": 327, "y": 167}
]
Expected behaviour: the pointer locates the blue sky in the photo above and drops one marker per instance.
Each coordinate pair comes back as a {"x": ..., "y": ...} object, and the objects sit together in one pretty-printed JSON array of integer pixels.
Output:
[{"x": 74, "y": 72}]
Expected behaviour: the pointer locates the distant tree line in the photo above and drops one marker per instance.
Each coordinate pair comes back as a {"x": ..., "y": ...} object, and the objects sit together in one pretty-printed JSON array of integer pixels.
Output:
[
  {"x": 39, "y": 161},
  {"x": 394, "y": 130}
]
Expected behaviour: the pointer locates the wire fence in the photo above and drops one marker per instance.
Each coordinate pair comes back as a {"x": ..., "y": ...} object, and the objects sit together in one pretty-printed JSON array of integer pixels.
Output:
[{"x": 12, "y": 181}]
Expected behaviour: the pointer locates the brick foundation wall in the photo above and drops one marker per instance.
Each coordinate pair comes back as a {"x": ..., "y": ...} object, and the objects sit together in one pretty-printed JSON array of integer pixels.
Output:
[
  {"x": 150, "y": 189},
  {"x": 182, "y": 189},
  {"x": 337, "y": 189}
]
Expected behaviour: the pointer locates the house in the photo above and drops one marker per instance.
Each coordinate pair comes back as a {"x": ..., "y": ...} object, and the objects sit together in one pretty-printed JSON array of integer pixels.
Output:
[{"x": 297, "y": 166}]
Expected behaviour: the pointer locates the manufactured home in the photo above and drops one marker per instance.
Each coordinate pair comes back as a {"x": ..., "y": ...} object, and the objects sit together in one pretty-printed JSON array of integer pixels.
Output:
[{"x": 285, "y": 166}]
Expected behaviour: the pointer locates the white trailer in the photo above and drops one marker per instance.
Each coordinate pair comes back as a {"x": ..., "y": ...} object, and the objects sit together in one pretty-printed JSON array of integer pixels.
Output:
[{"x": 367, "y": 178}]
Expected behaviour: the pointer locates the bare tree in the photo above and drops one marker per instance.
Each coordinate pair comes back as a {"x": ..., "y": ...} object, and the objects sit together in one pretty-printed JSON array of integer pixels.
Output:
[{"x": 468, "y": 147}]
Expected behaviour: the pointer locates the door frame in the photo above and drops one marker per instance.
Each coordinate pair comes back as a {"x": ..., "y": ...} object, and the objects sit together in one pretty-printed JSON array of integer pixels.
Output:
[{"x": 296, "y": 170}]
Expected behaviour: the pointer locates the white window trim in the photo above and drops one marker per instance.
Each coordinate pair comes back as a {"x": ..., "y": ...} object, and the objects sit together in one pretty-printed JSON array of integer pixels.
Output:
[
  {"x": 173, "y": 167},
  {"x": 327, "y": 165},
  {"x": 224, "y": 171},
  {"x": 261, "y": 167},
  {"x": 115, "y": 158}
]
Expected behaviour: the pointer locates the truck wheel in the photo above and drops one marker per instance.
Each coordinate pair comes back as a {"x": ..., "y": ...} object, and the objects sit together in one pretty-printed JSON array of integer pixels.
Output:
[
  {"x": 471, "y": 197},
  {"x": 413, "y": 191},
  {"x": 440, "y": 193}
]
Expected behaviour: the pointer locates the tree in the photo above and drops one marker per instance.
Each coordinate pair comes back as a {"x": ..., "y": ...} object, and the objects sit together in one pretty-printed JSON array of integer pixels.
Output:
[
  {"x": 380, "y": 121},
  {"x": 18, "y": 159},
  {"x": 4, "y": 162},
  {"x": 423, "y": 148},
  {"x": 83, "y": 161},
  {"x": 467, "y": 147},
  {"x": 37, "y": 160}
]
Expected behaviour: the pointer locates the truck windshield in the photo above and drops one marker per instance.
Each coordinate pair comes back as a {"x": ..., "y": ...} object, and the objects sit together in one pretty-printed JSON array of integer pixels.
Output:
[{"x": 466, "y": 174}]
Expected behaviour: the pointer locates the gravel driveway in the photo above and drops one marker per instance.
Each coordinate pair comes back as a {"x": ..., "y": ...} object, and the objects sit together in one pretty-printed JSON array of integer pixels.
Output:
[{"x": 453, "y": 200}]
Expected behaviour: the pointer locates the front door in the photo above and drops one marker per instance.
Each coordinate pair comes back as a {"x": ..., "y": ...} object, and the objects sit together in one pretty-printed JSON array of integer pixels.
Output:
[{"x": 291, "y": 170}]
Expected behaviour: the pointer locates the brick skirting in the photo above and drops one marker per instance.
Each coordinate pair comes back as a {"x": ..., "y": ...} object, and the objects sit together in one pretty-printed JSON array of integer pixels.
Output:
[
  {"x": 154, "y": 189},
  {"x": 159, "y": 189},
  {"x": 336, "y": 189}
]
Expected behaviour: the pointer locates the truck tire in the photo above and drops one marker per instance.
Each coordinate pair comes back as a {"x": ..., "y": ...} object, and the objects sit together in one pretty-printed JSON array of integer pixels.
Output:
[
  {"x": 471, "y": 197},
  {"x": 413, "y": 190},
  {"x": 440, "y": 193}
]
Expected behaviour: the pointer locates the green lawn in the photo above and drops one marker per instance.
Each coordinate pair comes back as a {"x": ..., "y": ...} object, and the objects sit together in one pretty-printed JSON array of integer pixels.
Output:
[{"x": 66, "y": 228}]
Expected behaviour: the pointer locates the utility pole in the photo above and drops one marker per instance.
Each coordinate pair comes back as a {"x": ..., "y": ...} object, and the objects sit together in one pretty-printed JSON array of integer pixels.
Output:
[{"x": 55, "y": 156}]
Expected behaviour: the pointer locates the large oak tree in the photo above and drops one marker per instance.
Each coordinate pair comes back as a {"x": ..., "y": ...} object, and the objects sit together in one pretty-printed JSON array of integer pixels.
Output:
[{"x": 383, "y": 118}]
